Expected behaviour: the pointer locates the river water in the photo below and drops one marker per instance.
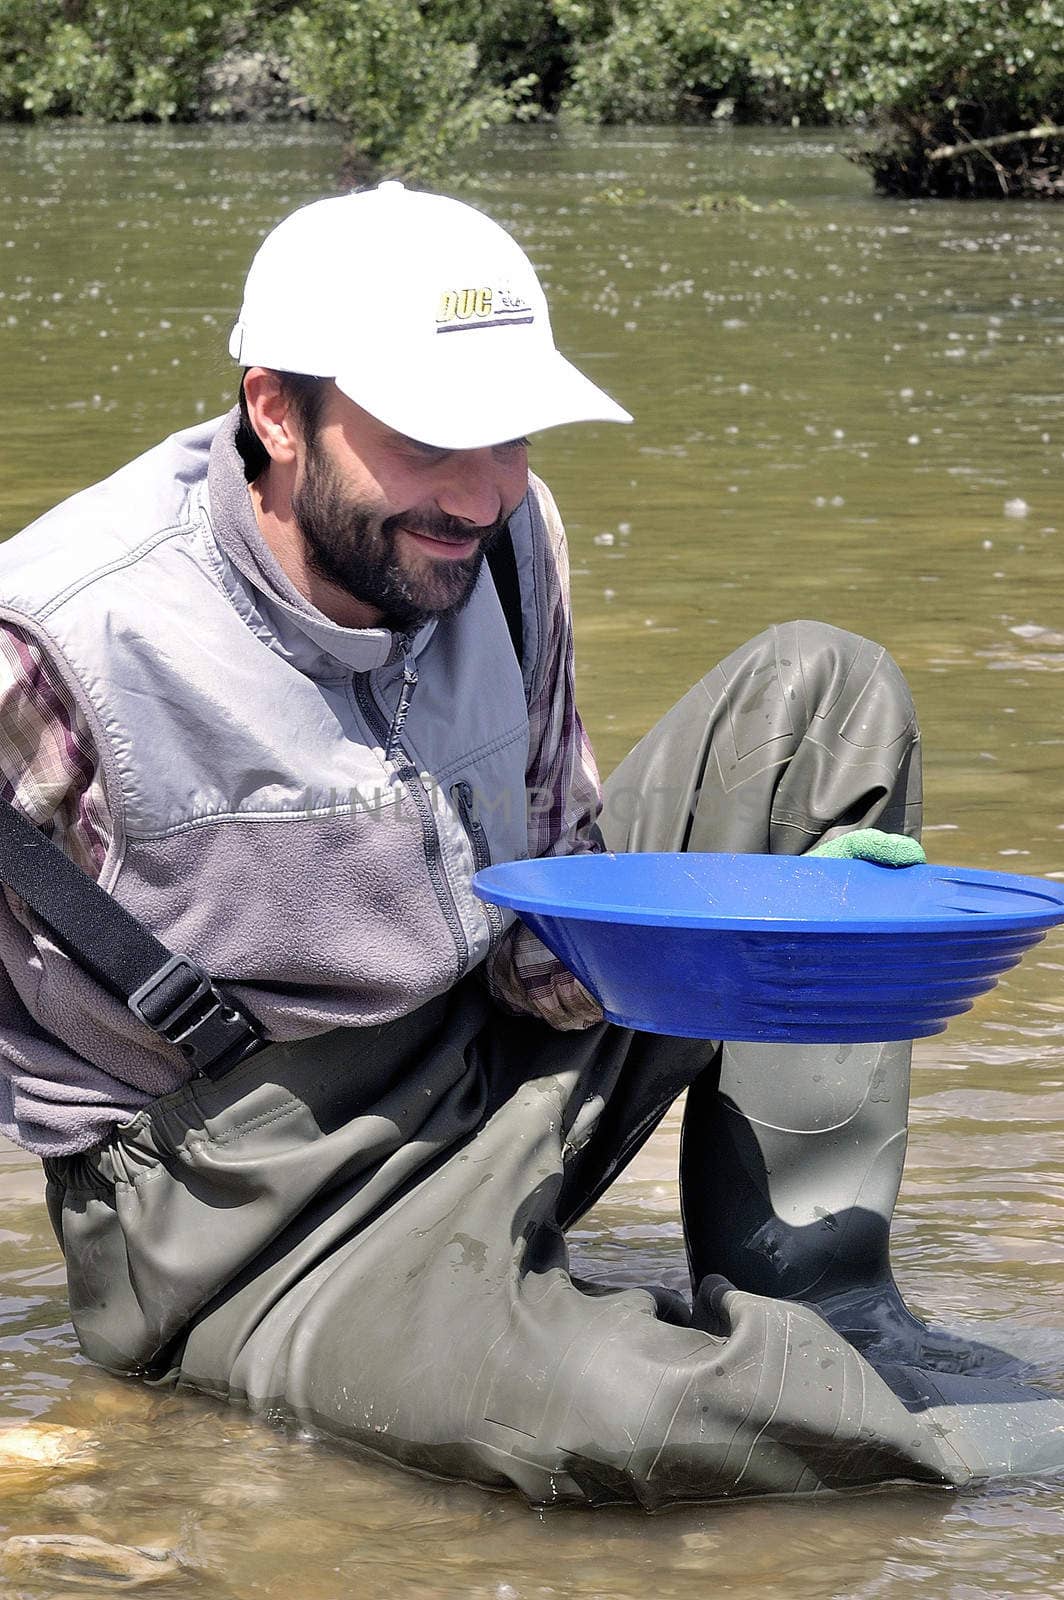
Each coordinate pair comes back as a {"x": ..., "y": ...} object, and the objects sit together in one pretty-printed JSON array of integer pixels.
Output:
[{"x": 847, "y": 408}]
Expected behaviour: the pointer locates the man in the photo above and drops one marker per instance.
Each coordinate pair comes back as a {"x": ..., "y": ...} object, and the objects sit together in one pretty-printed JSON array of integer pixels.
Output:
[{"x": 264, "y": 687}]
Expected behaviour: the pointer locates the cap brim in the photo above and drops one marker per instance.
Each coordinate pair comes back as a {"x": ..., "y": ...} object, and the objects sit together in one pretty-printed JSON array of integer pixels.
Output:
[{"x": 489, "y": 405}]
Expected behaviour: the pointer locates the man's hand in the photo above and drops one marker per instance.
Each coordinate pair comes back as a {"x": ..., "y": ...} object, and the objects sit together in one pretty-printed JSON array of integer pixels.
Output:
[{"x": 871, "y": 844}]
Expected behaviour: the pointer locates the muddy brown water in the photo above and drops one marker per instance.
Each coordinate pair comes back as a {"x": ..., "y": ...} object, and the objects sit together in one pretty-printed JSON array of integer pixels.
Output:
[{"x": 846, "y": 408}]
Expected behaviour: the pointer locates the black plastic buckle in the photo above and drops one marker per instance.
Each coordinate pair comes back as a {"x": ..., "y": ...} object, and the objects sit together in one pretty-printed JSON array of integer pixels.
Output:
[{"x": 209, "y": 1030}]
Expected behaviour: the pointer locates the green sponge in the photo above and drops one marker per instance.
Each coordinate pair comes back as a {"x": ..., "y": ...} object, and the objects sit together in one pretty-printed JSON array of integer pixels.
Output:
[{"x": 871, "y": 844}]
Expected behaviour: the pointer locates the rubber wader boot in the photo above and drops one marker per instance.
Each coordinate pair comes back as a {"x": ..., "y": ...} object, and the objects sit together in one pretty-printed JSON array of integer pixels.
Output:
[{"x": 789, "y": 1176}]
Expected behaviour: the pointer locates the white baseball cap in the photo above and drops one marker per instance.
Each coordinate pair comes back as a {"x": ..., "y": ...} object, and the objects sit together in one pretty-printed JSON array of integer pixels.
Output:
[{"x": 425, "y": 312}]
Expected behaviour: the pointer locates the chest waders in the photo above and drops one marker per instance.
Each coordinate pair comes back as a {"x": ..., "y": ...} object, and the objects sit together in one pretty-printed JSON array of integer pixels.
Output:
[{"x": 363, "y": 1232}]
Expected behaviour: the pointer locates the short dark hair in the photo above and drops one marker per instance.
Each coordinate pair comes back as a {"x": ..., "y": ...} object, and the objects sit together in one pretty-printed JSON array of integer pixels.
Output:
[{"x": 307, "y": 396}]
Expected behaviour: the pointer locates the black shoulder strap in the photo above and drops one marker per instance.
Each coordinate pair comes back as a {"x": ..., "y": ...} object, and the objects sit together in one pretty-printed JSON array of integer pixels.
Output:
[
  {"x": 502, "y": 563},
  {"x": 171, "y": 994}
]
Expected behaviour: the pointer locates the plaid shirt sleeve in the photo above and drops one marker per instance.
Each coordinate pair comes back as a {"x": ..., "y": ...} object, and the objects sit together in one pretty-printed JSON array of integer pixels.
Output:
[
  {"x": 48, "y": 766},
  {"x": 565, "y": 797}
]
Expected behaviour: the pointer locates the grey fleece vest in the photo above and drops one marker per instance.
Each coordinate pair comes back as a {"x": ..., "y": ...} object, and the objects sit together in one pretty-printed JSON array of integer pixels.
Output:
[{"x": 259, "y": 825}]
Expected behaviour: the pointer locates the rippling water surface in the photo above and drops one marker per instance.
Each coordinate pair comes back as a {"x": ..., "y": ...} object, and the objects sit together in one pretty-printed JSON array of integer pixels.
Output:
[{"x": 846, "y": 408}]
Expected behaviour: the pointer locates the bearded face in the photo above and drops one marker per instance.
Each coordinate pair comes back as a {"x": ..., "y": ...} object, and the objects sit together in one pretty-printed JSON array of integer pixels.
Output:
[{"x": 387, "y": 561}]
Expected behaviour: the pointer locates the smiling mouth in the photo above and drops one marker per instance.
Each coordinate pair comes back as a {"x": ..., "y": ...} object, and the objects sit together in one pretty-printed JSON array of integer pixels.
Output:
[{"x": 443, "y": 544}]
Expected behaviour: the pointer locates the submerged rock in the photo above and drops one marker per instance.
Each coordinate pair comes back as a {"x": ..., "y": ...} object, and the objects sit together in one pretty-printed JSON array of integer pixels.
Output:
[
  {"x": 79, "y": 1558},
  {"x": 37, "y": 1450}
]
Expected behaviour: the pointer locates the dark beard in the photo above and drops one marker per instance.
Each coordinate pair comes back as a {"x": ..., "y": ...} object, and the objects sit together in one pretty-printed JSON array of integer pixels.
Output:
[{"x": 349, "y": 547}]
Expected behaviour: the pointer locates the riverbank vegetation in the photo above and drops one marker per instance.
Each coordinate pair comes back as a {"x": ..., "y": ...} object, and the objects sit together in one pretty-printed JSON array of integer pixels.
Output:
[{"x": 949, "y": 97}]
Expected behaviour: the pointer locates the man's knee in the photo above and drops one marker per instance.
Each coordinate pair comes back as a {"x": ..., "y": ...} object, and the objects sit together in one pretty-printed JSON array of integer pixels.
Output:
[
  {"x": 795, "y": 674},
  {"x": 803, "y": 728}
]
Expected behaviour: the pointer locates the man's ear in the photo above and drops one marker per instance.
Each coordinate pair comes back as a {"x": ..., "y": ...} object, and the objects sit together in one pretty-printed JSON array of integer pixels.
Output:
[{"x": 271, "y": 414}]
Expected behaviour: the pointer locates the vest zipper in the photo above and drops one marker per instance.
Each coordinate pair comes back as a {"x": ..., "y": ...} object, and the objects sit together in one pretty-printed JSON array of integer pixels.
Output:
[
  {"x": 406, "y": 695},
  {"x": 407, "y": 774},
  {"x": 462, "y": 795}
]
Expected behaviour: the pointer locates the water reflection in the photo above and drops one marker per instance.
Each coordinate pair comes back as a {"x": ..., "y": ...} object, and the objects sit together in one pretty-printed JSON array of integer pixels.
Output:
[{"x": 846, "y": 408}]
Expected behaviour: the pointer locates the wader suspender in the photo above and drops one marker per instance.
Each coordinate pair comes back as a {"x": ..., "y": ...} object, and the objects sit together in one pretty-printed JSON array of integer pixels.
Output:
[{"x": 171, "y": 994}]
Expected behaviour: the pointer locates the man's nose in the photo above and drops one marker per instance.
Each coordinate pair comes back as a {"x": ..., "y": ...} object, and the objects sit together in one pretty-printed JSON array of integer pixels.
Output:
[{"x": 472, "y": 489}]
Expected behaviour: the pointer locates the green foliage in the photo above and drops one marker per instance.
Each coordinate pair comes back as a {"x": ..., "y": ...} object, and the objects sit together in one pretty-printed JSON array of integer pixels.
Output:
[
  {"x": 927, "y": 73},
  {"x": 909, "y": 57},
  {"x": 513, "y": 39},
  {"x": 111, "y": 59},
  {"x": 408, "y": 94},
  {"x": 413, "y": 80},
  {"x": 653, "y": 60},
  {"x": 818, "y": 60}
]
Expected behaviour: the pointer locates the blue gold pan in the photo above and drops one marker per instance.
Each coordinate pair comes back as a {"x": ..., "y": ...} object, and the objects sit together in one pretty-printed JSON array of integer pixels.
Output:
[{"x": 791, "y": 948}]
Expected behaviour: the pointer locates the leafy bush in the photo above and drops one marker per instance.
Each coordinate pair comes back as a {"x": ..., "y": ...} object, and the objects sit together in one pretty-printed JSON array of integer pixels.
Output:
[
  {"x": 111, "y": 59},
  {"x": 407, "y": 94},
  {"x": 513, "y": 39},
  {"x": 928, "y": 72},
  {"x": 911, "y": 57},
  {"x": 654, "y": 60}
]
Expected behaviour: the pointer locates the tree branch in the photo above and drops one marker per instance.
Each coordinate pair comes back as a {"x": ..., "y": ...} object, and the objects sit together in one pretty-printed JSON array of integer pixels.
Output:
[{"x": 946, "y": 151}]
